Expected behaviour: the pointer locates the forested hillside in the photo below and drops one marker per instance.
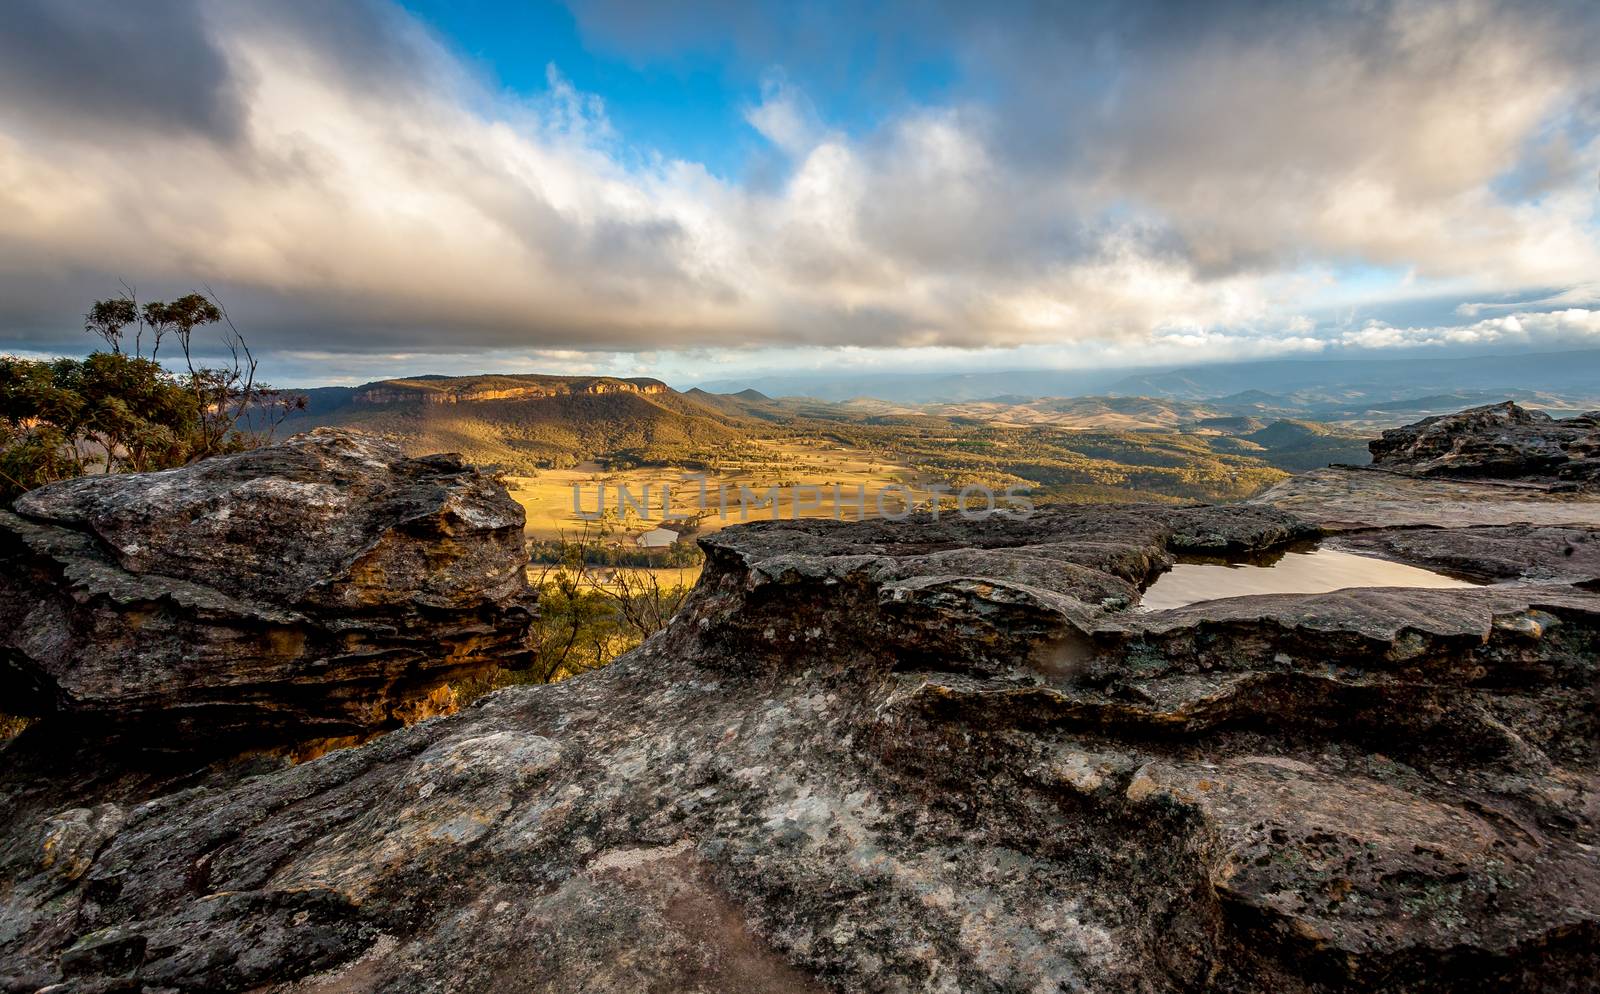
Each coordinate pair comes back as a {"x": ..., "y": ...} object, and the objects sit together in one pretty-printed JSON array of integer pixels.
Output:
[{"x": 525, "y": 424}]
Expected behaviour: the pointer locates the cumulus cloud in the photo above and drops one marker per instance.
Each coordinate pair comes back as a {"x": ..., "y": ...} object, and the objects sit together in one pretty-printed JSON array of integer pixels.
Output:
[
  {"x": 1577, "y": 327},
  {"x": 1373, "y": 132},
  {"x": 1188, "y": 177},
  {"x": 785, "y": 116}
]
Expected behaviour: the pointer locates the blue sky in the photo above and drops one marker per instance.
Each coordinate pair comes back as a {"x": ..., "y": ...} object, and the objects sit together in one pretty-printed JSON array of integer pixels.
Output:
[
  {"x": 689, "y": 106},
  {"x": 690, "y": 102},
  {"x": 719, "y": 189}
]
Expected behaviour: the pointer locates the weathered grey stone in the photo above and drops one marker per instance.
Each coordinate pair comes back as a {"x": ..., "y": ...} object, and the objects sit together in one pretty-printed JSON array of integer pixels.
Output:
[
  {"x": 301, "y": 590},
  {"x": 1497, "y": 440},
  {"x": 1343, "y": 498}
]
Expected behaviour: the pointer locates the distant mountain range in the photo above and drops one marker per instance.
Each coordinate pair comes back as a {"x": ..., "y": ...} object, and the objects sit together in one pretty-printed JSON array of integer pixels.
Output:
[
  {"x": 1379, "y": 380},
  {"x": 919, "y": 388},
  {"x": 1350, "y": 387}
]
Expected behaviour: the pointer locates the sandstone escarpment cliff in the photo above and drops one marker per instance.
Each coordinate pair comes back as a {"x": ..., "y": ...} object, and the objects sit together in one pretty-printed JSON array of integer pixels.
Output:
[
  {"x": 471, "y": 389},
  {"x": 930, "y": 755}
]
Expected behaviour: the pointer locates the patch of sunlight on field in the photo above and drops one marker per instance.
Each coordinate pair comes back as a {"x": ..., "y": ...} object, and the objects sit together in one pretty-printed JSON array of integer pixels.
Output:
[{"x": 785, "y": 464}]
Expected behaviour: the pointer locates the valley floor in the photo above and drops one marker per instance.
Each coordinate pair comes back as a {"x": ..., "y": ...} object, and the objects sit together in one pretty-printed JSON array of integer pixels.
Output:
[{"x": 788, "y": 464}]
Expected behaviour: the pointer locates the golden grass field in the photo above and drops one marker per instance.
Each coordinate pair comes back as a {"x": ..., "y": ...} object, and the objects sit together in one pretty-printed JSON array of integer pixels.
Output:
[{"x": 786, "y": 464}]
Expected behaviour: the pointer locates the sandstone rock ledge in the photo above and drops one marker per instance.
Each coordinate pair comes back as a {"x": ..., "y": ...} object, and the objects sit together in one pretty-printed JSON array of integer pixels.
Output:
[
  {"x": 315, "y": 588},
  {"x": 918, "y": 756}
]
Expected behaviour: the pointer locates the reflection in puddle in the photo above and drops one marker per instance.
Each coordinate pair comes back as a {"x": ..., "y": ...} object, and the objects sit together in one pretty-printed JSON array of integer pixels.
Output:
[{"x": 1297, "y": 571}]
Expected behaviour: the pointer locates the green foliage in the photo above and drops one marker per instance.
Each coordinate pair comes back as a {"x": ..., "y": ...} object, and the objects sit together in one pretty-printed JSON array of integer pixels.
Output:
[
  {"x": 115, "y": 412},
  {"x": 587, "y": 616},
  {"x": 32, "y": 457},
  {"x": 678, "y": 555},
  {"x": 1297, "y": 445},
  {"x": 111, "y": 412},
  {"x": 180, "y": 317},
  {"x": 581, "y": 628},
  {"x": 107, "y": 318}
]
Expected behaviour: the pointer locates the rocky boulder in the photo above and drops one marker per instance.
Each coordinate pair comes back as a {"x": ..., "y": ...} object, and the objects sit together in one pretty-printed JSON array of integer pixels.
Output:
[
  {"x": 1497, "y": 441},
  {"x": 932, "y": 755},
  {"x": 321, "y": 587}
]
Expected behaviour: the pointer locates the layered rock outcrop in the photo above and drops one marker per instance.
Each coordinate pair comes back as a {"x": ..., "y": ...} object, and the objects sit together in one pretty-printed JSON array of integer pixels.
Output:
[
  {"x": 931, "y": 755},
  {"x": 322, "y": 587},
  {"x": 1496, "y": 441}
]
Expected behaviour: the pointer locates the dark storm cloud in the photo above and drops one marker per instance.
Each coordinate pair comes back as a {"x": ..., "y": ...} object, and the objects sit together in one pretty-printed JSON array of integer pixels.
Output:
[
  {"x": 71, "y": 65},
  {"x": 78, "y": 65}
]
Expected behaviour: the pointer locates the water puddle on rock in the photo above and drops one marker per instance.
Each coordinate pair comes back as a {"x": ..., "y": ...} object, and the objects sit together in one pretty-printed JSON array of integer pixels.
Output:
[{"x": 1300, "y": 570}]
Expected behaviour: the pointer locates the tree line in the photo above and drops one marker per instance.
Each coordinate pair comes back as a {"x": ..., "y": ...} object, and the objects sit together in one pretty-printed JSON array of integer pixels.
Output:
[{"x": 121, "y": 409}]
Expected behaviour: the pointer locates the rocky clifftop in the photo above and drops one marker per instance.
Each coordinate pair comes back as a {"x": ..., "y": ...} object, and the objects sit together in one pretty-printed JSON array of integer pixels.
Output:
[
  {"x": 934, "y": 755},
  {"x": 317, "y": 588}
]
